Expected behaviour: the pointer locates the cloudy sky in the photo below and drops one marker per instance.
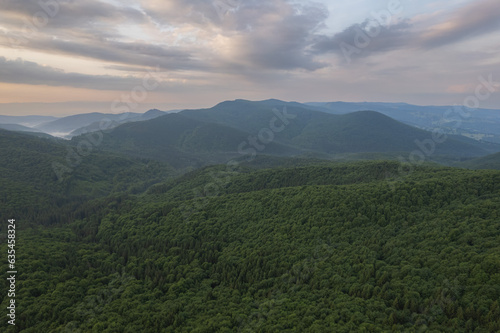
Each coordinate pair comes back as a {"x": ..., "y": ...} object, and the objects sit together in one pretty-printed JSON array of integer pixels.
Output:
[{"x": 68, "y": 56}]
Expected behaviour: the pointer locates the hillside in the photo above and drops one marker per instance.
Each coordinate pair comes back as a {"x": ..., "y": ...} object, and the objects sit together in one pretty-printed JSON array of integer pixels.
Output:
[
  {"x": 486, "y": 162},
  {"x": 312, "y": 249},
  {"x": 193, "y": 138},
  {"x": 482, "y": 124},
  {"x": 66, "y": 125},
  {"x": 30, "y": 187},
  {"x": 17, "y": 128},
  {"x": 363, "y": 131},
  {"x": 114, "y": 121},
  {"x": 28, "y": 121},
  {"x": 182, "y": 142}
]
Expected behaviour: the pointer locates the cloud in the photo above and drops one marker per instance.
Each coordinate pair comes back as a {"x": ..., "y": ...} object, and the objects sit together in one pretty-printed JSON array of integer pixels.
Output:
[
  {"x": 102, "y": 32},
  {"x": 269, "y": 35},
  {"x": 201, "y": 13},
  {"x": 130, "y": 53},
  {"x": 363, "y": 39},
  {"x": 27, "y": 72},
  {"x": 282, "y": 38},
  {"x": 69, "y": 13},
  {"x": 93, "y": 30},
  {"x": 230, "y": 48},
  {"x": 219, "y": 36},
  {"x": 474, "y": 19},
  {"x": 424, "y": 32}
]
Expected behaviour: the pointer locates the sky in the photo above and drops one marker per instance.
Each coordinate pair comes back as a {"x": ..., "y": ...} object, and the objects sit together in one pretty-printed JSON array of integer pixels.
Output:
[{"x": 62, "y": 57}]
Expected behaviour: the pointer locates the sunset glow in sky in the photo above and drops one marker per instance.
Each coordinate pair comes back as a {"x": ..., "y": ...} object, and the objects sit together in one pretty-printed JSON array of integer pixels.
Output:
[{"x": 62, "y": 57}]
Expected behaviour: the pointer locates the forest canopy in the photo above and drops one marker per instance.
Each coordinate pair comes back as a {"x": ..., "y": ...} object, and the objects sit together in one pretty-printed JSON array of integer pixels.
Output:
[{"x": 323, "y": 248}]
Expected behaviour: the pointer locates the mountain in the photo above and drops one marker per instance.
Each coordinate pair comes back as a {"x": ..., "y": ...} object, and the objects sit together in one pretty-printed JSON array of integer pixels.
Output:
[
  {"x": 75, "y": 125},
  {"x": 480, "y": 124},
  {"x": 242, "y": 129},
  {"x": 18, "y": 128},
  {"x": 33, "y": 187},
  {"x": 25, "y": 130},
  {"x": 112, "y": 122},
  {"x": 28, "y": 121},
  {"x": 64, "y": 126},
  {"x": 154, "y": 113},
  {"x": 182, "y": 141},
  {"x": 329, "y": 248},
  {"x": 309, "y": 130}
]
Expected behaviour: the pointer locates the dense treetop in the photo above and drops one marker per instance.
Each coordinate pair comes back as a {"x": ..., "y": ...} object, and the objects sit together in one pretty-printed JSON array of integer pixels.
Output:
[{"x": 321, "y": 248}]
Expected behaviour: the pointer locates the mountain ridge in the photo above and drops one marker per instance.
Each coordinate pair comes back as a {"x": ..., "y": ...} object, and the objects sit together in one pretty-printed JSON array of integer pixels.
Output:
[{"x": 233, "y": 129}]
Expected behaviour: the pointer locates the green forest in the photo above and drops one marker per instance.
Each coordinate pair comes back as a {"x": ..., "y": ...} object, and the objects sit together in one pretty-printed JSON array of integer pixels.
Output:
[
  {"x": 233, "y": 166},
  {"x": 276, "y": 245}
]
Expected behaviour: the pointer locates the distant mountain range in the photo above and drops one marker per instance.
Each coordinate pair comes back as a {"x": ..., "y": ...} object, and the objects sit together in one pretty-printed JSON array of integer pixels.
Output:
[
  {"x": 242, "y": 129},
  {"x": 254, "y": 134},
  {"x": 28, "y": 121},
  {"x": 67, "y": 127},
  {"x": 83, "y": 123},
  {"x": 18, "y": 128},
  {"x": 480, "y": 125}
]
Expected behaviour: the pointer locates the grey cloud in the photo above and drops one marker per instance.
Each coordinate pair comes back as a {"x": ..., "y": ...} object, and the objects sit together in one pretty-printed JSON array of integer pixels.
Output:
[
  {"x": 272, "y": 34},
  {"x": 89, "y": 30},
  {"x": 70, "y": 13},
  {"x": 26, "y": 72},
  {"x": 133, "y": 53},
  {"x": 193, "y": 12},
  {"x": 396, "y": 70},
  {"x": 366, "y": 38},
  {"x": 125, "y": 68},
  {"x": 285, "y": 44},
  {"x": 477, "y": 18},
  {"x": 27, "y": 7},
  {"x": 263, "y": 41}
]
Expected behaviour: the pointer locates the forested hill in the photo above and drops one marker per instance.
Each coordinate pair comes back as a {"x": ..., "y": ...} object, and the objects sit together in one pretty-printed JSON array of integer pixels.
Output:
[
  {"x": 30, "y": 187},
  {"x": 196, "y": 138},
  {"x": 486, "y": 162},
  {"x": 328, "y": 248},
  {"x": 362, "y": 131}
]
